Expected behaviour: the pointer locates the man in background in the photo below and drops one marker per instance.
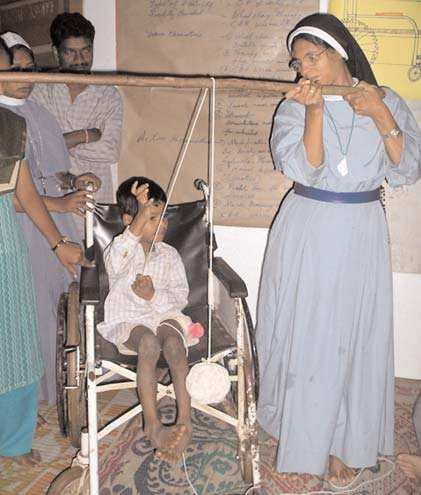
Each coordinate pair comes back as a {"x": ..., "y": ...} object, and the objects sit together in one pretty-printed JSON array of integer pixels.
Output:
[{"x": 90, "y": 116}]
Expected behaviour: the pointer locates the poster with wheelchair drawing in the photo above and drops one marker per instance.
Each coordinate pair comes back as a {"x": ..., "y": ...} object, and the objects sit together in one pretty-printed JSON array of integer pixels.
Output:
[{"x": 389, "y": 31}]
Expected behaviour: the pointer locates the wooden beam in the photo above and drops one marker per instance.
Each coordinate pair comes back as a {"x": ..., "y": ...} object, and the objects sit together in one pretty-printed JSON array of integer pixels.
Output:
[{"x": 166, "y": 81}]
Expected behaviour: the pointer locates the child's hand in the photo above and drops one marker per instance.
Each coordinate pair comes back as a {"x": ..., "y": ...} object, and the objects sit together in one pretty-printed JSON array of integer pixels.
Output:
[
  {"x": 142, "y": 195},
  {"x": 143, "y": 287}
]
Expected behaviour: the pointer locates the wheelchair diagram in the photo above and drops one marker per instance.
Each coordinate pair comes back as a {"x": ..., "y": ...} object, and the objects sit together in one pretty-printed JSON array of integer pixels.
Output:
[{"x": 389, "y": 37}]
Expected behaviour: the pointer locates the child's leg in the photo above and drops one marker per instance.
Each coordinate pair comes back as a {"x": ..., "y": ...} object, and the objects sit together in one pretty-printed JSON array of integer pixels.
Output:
[
  {"x": 143, "y": 341},
  {"x": 175, "y": 355}
]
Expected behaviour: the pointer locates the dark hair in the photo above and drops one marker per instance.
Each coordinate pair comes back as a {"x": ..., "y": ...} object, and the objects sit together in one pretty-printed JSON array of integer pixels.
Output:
[
  {"x": 127, "y": 202},
  {"x": 311, "y": 39},
  {"x": 69, "y": 25},
  {"x": 5, "y": 49}
]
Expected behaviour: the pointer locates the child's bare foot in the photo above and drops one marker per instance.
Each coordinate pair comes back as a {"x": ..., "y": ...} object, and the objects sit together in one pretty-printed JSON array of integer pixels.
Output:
[
  {"x": 183, "y": 442},
  {"x": 410, "y": 465},
  {"x": 340, "y": 474},
  {"x": 173, "y": 455},
  {"x": 162, "y": 437},
  {"x": 30, "y": 460}
]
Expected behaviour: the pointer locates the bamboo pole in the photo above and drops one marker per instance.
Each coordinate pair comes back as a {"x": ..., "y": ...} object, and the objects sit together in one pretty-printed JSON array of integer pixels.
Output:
[{"x": 165, "y": 81}]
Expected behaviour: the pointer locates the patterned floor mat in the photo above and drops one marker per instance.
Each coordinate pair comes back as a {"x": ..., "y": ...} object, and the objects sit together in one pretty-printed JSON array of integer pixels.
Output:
[
  {"x": 128, "y": 466},
  {"x": 211, "y": 462}
]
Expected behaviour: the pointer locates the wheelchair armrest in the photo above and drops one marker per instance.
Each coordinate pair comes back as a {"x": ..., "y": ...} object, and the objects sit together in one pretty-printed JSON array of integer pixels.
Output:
[
  {"x": 89, "y": 281},
  {"x": 232, "y": 282}
]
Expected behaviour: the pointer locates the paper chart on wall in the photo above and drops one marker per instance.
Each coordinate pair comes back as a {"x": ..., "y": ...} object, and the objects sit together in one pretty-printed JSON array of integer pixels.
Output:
[
  {"x": 243, "y": 38},
  {"x": 225, "y": 38},
  {"x": 389, "y": 32}
]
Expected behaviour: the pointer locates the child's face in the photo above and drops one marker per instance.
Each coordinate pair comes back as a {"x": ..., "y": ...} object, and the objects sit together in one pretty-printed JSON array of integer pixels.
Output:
[{"x": 152, "y": 224}]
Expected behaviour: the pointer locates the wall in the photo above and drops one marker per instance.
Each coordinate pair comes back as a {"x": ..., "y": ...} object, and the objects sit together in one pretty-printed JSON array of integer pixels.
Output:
[
  {"x": 102, "y": 15},
  {"x": 243, "y": 248}
]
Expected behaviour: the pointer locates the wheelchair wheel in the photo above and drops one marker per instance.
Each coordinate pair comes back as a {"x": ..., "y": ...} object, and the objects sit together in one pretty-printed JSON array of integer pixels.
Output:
[
  {"x": 72, "y": 481},
  {"x": 71, "y": 405},
  {"x": 246, "y": 464},
  {"x": 245, "y": 400},
  {"x": 60, "y": 365},
  {"x": 247, "y": 431}
]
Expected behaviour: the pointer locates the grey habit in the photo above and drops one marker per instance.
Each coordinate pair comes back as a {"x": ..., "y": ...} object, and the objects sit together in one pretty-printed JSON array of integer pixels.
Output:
[
  {"x": 46, "y": 154},
  {"x": 324, "y": 329}
]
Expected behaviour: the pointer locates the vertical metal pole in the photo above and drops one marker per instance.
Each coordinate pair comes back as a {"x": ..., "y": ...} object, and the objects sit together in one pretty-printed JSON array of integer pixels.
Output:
[
  {"x": 89, "y": 223},
  {"x": 92, "y": 401},
  {"x": 91, "y": 375},
  {"x": 210, "y": 211}
]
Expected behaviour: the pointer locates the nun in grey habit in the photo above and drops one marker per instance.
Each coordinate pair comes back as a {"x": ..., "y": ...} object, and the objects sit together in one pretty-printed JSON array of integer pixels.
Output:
[
  {"x": 324, "y": 324},
  {"x": 47, "y": 155}
]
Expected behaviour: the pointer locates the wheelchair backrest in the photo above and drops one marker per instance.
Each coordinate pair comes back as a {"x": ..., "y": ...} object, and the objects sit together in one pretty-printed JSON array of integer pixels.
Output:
[{"x": 187, "y": 232}]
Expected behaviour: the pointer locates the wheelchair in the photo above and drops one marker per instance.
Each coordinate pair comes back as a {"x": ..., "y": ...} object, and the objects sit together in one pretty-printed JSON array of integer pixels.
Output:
[{"x": 87, "y": 364}]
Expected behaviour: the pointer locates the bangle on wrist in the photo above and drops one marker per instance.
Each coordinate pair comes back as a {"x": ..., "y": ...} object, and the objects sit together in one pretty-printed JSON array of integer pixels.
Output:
[
  {"x": 394, "y": 132},
  {"x": 86, "y": 136},
  {"x": 61, "y": 242}
]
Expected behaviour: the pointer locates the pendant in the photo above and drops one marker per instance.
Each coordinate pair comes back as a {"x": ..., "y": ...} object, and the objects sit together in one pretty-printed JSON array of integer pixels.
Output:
[{"x": 343, "y": 167}]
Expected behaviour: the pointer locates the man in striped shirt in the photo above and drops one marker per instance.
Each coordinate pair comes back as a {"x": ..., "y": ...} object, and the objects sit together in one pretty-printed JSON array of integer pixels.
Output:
[{"x": 90, "y": 116}]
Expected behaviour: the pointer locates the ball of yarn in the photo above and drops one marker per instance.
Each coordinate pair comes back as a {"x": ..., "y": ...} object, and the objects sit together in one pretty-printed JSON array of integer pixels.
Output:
[{"x": 208, "y": 382}]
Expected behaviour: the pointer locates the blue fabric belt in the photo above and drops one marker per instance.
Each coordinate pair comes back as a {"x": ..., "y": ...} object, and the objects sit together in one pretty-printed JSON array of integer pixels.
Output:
[{"x": 336, "y": 197}]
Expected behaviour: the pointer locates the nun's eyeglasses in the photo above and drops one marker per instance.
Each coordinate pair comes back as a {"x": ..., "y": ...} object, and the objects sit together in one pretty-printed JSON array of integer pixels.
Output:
[{"x": 295, "y": 64}]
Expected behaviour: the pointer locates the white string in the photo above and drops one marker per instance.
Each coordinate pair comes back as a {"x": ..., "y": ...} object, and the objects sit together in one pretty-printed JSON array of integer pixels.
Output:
[
  {"x": 187, "y": 476},
  {"x": 180, "y": 333},
  {"x": 210, "y": 209},
  {"x": 178, "y": 164},
  {"x": 211, "y": 244},
  {"x": 339, "y": 490}
]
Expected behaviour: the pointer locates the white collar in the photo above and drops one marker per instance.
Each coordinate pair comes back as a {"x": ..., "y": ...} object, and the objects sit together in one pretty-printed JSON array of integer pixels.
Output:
[{"x": 12, "y": 102}]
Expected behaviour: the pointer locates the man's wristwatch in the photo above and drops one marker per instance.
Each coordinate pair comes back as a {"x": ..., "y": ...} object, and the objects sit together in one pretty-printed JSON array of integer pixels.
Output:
[{"x": 63, "y": 240}]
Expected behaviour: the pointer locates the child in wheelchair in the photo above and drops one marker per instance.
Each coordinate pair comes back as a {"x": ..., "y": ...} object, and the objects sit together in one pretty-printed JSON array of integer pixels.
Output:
[{"x": 143, "y": 309}]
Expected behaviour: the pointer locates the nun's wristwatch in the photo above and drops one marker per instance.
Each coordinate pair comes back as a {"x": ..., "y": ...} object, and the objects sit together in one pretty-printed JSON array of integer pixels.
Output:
[
  {"x": 394, "y": 132},
  {"x": 63, "y": 240}
]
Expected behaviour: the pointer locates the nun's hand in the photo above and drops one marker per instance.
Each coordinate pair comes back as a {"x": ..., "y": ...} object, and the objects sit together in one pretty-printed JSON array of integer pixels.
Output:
[
  {"x": 367, "y": 101},
  {"x": 307, "y": 93}
]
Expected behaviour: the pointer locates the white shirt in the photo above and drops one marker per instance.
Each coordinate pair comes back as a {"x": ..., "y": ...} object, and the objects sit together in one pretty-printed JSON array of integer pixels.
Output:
[
  {"x": 96, "y": 107},
  {"x": 124, "y": 259}
]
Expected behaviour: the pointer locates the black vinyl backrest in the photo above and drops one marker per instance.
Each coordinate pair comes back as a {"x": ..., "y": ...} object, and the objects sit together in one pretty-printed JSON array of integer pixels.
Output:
[{"x": 187, "y": 232}]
